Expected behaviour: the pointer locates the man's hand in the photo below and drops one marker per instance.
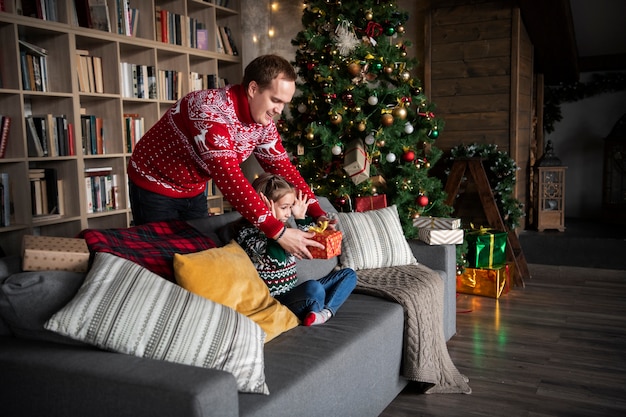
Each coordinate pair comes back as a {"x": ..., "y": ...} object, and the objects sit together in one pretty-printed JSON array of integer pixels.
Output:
[{"x": 295, "y": 241}]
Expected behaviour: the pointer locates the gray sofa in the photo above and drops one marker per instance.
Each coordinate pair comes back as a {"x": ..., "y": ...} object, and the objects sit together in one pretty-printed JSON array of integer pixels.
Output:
[{"x": 349, "y": 366}]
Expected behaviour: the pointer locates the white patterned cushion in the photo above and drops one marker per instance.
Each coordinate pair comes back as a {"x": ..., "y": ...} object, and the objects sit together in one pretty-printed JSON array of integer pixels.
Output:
[
  {"x": 373, "y": 239},
  {"x": 125, "y": 308}
]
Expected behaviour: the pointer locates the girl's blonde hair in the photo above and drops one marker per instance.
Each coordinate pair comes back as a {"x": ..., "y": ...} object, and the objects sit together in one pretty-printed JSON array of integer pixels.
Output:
[{"x": 273, "y": 186}]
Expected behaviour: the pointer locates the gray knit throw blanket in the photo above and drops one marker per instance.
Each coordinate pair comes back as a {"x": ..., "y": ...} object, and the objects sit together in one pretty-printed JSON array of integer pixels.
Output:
[{"x": 420, "y": 292}]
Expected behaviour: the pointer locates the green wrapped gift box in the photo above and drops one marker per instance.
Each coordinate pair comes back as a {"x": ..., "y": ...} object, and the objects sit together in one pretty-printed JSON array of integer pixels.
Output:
[{"x": 485, "y": 248}]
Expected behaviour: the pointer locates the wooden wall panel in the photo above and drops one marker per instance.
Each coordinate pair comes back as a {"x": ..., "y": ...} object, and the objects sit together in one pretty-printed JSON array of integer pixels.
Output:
[{"x": 479, "y": 65}]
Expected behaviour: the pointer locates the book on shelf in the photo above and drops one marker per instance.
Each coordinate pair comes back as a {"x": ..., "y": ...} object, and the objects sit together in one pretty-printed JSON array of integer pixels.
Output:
[
  {"x": 89, "y": 72},
  {"x": 44, "y": 192},
  {"x": 99, "y": 15},
  {"x": 97, "y": 74},
  {"x": 123, "y": 10},
  {"x": 202, "y": 39},
  {"x": 231, "y": 40},
  {"x": 219, "y": 43},
  {"x": 224, "y": 37},
  {"x": 5, "y": 126},
  {"x": 133, "y": 130},
  {"x": 137, "y": 80},
  {"x": 92, "y": 134},
  {"x": 101, "y": 187},
  {"x": 40, "y": 9},
  {"x": 34, "y": 66},
  {"x": 5, "y": 199},
  {"x": 71, "y": 142},
  {"x": 35, "y": 147}
]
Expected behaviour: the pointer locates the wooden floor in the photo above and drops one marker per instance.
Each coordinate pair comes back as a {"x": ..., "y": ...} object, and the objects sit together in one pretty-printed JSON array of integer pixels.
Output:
[{"x": 554, "y": 348}]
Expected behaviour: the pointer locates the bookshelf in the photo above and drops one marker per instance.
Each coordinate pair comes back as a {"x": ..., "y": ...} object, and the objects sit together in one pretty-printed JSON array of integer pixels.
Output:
[{"x": 69, "y": 100}]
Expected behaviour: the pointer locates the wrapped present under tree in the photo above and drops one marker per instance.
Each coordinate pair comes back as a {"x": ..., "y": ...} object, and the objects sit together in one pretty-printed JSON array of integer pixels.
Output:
[
  {"x": 371, "y": 202},
  {"x": 488, "y": 282},
  {"x": 485, "y": 248},
  {"x": 444, "y": 223},
  {"x": 356, "y": 163},
  {"x": 441, "y": 236}
]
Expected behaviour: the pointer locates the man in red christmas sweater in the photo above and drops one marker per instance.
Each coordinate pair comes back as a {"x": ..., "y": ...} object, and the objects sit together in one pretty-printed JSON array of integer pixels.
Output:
[{"x": 207, "y": 135}]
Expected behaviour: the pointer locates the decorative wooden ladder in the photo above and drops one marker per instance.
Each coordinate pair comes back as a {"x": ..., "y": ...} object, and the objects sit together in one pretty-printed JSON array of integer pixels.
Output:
[{"x": 477, "y": 171}]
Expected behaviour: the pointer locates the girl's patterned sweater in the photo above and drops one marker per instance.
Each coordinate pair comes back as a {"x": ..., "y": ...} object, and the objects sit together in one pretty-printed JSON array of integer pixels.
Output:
[{"x": 275, "y": 265}]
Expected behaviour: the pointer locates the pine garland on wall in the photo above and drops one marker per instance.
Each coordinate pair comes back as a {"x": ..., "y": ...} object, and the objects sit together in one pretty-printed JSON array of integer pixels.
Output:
[{"x": 568, "y": 93}]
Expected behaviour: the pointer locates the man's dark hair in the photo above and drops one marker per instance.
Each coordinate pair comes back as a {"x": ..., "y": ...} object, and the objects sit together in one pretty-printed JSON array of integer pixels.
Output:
[{"x": 266, "y": 68}]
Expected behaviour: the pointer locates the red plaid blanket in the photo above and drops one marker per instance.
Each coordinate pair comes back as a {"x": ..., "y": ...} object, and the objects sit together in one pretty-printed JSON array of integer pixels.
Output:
[{"x": 152, "y": 245}]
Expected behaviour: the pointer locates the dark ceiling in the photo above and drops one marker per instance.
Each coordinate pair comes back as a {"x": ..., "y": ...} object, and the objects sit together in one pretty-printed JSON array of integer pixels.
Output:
[{"x": 574, "y": 36}]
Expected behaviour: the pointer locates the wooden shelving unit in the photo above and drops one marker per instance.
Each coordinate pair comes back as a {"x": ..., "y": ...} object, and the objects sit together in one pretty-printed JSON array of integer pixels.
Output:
[{"x": 63, "y": 39}]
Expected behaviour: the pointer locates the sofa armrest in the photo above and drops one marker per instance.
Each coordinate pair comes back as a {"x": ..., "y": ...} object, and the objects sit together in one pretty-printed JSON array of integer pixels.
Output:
[
  {"x": 436, "y": 257},
  {"x": 71, "y": 380},
  {"x": 441, "y": 258}
]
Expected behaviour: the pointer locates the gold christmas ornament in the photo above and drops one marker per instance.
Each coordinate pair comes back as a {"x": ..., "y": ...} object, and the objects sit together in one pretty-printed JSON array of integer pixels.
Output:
[
  {"x": 310, "y": 135},
  {"x": 386, "y": 119},
  {"x": 336, "y": 118},
  {"x": 361, "y": 126},
  {"x": 369, "y": 15},
  {"x": 405, "y": 76},
  {"x": 354, "y": 69},
  {"x": 400, "y": 112}
]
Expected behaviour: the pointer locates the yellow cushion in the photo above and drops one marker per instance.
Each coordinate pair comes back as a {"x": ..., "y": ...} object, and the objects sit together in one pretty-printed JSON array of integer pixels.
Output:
[{"x": 227, "y": 276}]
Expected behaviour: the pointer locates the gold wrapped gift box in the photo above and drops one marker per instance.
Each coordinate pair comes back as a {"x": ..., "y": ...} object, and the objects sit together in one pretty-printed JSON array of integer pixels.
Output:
[{"x": 488, "y": 282}]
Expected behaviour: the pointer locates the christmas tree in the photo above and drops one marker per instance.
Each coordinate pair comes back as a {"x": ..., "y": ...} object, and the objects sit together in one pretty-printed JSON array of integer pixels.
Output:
[{"x": 360, "y": 124}]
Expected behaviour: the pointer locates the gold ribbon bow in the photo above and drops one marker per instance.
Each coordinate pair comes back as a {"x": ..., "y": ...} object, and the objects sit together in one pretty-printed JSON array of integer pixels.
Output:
[{"x": 321, "y": 226}]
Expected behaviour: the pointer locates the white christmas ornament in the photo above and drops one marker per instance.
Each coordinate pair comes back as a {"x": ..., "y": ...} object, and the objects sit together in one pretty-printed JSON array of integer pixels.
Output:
[
  {"x": 391, "y": 157},
  {"x": 369, "y": 139},
  {"x": 408, "y": 128},
  {"x": 372, "y": 100},
  {"x": 345, "y": 38},
  {"x": 302, "y": 108},
  {"x": 336, "y": 150}
]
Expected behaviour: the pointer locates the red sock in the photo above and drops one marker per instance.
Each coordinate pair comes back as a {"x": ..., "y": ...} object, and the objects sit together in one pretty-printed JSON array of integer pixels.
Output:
[{"x": 314, "y": 318}]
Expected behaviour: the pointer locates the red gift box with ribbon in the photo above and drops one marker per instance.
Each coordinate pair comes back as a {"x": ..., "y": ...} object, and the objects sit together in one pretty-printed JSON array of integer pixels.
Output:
[
  {"x": 372, "y": 202},
  {"x": 331, "y": 239}
]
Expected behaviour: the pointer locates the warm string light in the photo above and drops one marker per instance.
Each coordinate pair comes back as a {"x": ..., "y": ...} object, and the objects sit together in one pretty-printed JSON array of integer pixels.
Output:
[{"x": 273, "y": 8}]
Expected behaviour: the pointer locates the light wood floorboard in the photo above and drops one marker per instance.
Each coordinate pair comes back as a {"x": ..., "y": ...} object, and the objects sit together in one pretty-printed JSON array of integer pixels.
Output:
[{"x": 554, "y": 348}]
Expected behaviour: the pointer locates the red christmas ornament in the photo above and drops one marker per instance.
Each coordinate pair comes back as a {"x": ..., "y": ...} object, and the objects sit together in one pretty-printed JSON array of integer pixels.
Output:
[
  {"x": 422, "y": 201},
  {"x": 408, "y": 156}
]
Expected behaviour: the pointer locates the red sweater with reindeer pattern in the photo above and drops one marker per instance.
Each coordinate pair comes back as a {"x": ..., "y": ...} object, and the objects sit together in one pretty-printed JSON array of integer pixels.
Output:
[{"x": 207, "y": 135}]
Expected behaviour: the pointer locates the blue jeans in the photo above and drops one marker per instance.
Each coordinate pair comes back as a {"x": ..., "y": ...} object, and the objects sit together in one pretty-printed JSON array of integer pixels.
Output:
[
  {"x": 152, "y": 207},
  {"x": 328, "y": 292}
]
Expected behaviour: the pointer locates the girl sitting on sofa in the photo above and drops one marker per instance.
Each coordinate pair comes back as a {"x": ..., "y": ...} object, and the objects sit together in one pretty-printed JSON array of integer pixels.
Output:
[{"x": 313, "y": 301}]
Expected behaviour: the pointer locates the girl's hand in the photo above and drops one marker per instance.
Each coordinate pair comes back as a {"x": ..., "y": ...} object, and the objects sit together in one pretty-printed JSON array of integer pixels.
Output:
[
  {"x": 269, "y": 204},
  {"x": 300, "y": 206}
]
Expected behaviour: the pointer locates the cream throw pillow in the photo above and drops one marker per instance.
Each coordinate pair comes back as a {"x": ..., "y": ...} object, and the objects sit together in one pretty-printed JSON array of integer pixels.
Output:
[
  {"x": 227, "y": 276},
  {"x": 373, "y": 239}
]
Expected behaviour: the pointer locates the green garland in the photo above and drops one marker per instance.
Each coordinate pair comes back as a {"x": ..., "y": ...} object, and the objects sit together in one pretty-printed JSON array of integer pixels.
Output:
[
  {"x": 501, "y": 171},
  {"x": 567, "y": 93}
]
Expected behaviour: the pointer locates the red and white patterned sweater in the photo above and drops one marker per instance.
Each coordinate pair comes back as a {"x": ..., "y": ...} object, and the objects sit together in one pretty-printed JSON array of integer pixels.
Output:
[{"x": 208, "y": 134}]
